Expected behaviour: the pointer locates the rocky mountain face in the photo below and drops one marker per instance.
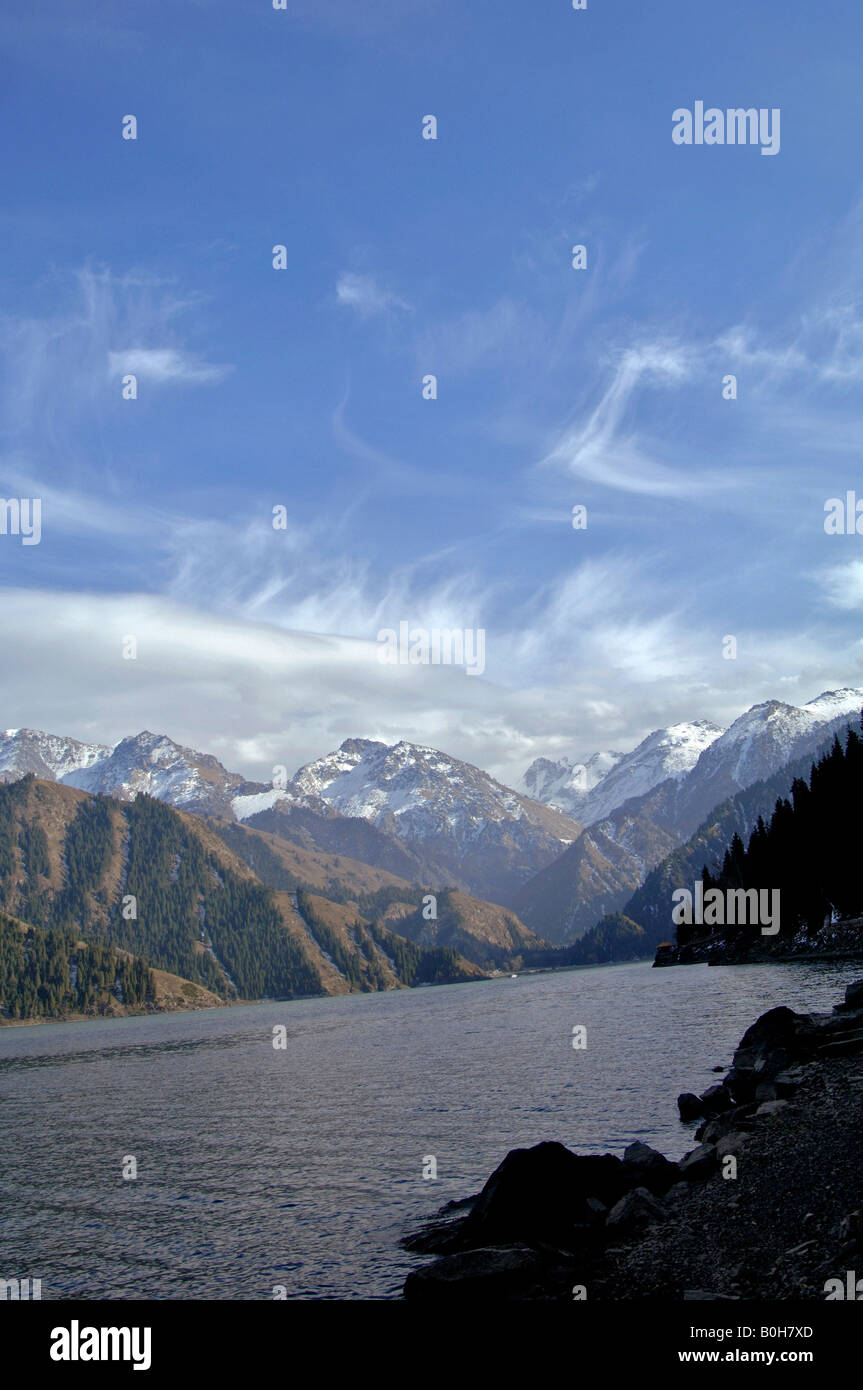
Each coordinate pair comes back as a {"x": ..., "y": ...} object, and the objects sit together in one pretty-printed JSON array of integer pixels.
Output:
[
  {"x": 592, "y": 790},
  {"x": 460, "y": 826},
  {"x": 147, "y": 762},
  {"x": 597, "y": 874},
  {"x": 46, "y": 755},
  {"x": 428, "y": 818},
  {"x": 605, "y": 866},
  {"x": 426, "y": 793},
  {"x": 757, "y": 744}
]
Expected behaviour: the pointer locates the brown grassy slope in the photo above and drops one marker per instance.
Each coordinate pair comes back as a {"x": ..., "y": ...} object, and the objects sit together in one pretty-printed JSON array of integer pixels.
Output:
[
  {"x": 332, "y": 980},
  {"x": 485, "y": 933},
  {"x": 314, "y": 870},
  {"x": 343, "y": 920},
  {"x": 53, "y": 806}
]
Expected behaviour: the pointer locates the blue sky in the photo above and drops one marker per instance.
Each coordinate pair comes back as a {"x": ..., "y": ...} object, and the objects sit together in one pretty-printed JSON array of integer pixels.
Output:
[{"x": 302, "y": 387}]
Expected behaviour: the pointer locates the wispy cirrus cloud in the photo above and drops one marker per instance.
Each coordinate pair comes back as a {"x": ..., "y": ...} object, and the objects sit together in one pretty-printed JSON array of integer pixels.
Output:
[
  {"x": 58, "y": 364},
  {"x": 601, "y": 451},
  {"x": 165, "y": 365},
  {"x": 505, "y": 333},
  {"x": 366, "y": 296}
]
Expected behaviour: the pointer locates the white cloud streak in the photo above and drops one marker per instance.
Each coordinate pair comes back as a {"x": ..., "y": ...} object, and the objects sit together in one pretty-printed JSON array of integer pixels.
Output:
[
  {"x": 164, "y": 366},
  {"x": 365, "y": 296}
]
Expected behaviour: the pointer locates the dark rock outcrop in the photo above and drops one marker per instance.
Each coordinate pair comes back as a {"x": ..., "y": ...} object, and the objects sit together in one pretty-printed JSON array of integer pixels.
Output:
[
  {"x": 691, "y": 1107},
  {"x": 650, "y": 1169},
  {"x": 481, "y": 1274},
  {"x": 634, "y": 1211},
  {"x": 542, "y": 1194}
]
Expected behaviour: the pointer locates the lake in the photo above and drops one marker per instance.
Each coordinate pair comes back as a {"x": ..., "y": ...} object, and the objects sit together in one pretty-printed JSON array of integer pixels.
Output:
[{"x": 302, "y": 1167}]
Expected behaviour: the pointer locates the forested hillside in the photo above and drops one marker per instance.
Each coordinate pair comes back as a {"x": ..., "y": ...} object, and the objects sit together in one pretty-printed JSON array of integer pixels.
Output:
[
  {"x": 645, "y": 920},
  {"x": 371, "y": 955},
  {"x": 45, "y": 974},
  {"x": 142, "y": 878},
  {"x": 808, "y": 851},
  {"x": 491, "y": 936}
]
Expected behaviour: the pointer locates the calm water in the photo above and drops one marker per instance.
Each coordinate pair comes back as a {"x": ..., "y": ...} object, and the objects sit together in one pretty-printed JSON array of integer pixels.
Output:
[{"x": 303, "y": 1167}]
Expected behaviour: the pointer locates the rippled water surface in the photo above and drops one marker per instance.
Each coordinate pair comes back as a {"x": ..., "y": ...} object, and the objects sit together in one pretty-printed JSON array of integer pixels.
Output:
[{"x": 302, "y": 1167}]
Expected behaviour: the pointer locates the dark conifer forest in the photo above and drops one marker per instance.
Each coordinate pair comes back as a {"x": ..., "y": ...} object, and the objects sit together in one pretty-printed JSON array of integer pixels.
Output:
[{"x": 809, "y": 850}]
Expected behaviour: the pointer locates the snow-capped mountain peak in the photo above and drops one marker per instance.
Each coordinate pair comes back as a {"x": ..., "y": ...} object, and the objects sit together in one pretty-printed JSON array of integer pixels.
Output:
[
  {"x": 592, "y": 790},
  {"x": 46, "y": 755},
  {"x": 565, "y": 783},
  {"x": 412, "y": 782},
  {"x": 768, "y": 734},
  {"x": 144, "y": 762}
]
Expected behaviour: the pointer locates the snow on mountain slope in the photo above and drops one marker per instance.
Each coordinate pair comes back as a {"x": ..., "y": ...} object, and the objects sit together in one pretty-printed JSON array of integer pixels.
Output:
[
  {"x": 45, "y": 755},
  {"x": 156, "y": 765},
  {"x": 670, "y": 752},
  {"x": 758, "y": 743},
  {"x": 146, "y": 762},
  {"x": 591, "y": 791},
  {"x": 421, "y": 789},
  {"x": 566, "y": 784},
  {"x": 489, "y": 836},
  {"x": 252, "y": 803}
]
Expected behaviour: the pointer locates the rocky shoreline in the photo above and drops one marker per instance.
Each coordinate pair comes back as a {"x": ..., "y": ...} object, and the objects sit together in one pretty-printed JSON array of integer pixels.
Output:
[
  {"x": 833, "y": 941},
  {"x": 768, "y": 1205}
]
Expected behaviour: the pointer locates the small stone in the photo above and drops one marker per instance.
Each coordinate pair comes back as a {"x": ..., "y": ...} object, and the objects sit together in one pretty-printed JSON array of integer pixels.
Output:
[
  {"x": 851, "y": 1226},
  {"x": 772, "y": 1107}
]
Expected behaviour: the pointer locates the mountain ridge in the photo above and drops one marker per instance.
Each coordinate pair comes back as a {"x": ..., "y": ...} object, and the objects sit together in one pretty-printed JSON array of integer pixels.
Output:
[{"x": 419, "y": 814}]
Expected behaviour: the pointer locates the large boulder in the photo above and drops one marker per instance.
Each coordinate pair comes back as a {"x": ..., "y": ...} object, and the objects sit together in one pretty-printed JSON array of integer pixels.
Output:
[
  {"x": 541, "y": 1195},
  {"x": 634, "y": 1211},
  {"x": 770, "y": 1046},
  {"x": 698, "y": 1164},
  {"x": 777, "y": 1028},
  {"x": 650, "y": 1169},
  {"x": 691, "y": 1107},
  {"x": 502, "y": 1272},
  {"x": 853, "y": 996}
]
